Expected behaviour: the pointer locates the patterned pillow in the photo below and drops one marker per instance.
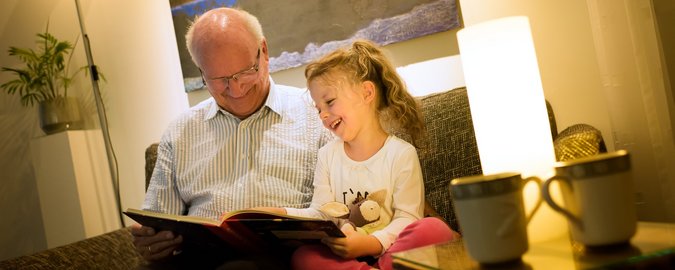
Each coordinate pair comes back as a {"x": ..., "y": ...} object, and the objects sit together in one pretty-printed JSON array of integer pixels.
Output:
[{"x": 577, "y": 141}]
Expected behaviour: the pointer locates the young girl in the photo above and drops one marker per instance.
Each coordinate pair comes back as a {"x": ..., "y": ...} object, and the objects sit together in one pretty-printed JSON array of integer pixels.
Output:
[{"x": 356, "y": 90}]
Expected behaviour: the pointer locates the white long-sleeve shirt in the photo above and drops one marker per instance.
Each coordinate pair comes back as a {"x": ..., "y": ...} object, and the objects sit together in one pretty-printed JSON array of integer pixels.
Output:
[{"x": 394, "y": 168}]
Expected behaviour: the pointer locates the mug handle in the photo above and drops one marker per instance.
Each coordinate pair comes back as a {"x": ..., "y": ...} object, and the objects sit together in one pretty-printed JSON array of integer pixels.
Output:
[
  {"x": 545, "y": 192},
  {"x": 511, "y": 224},
  {"x": 537, "y": 181}
]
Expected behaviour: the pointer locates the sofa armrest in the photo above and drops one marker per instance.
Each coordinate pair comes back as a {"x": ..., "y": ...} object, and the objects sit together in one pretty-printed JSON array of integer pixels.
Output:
[
  {"x": 113, "y": 250},
  {"x": 150, "y": 160}
]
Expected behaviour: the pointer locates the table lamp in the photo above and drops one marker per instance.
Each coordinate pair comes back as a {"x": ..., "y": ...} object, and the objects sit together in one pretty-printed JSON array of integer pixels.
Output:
[{"x": 509, "y": 110}]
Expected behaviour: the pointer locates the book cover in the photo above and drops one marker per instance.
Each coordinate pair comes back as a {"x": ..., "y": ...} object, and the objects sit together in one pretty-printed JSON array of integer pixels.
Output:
[{"x": 249, "y": 230}]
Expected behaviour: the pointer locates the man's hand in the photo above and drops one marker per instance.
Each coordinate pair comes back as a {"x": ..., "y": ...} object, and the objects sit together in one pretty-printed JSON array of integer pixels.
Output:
[
  {"x": 354, "y": 245},
  {"x": 154, "y": 246}
]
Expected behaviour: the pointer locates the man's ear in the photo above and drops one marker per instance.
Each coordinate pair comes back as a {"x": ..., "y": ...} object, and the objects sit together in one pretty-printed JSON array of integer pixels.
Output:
[
  {"x": 263, "y": 47},
  {"x": 369, "y": 91}
]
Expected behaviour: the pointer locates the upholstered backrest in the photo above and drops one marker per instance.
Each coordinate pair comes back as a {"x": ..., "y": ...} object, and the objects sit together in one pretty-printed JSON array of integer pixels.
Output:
[{"x": 449, "y": 149}]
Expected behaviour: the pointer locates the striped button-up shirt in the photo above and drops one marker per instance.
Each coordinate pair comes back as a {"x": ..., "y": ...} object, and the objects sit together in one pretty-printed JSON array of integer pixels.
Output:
[{"x": 210, "y": 162}]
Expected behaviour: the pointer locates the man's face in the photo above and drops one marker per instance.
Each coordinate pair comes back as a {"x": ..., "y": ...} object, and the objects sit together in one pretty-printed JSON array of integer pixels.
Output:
[{"x": 236, "y": 76}]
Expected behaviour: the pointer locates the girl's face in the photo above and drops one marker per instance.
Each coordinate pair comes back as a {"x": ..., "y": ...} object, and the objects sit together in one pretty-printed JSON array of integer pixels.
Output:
[{"x": 341, "y": 106}]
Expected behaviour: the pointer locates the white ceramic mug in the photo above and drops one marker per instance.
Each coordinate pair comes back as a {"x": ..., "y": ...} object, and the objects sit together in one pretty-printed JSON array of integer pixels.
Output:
[
  {"x": 598, "y": 197},
  {"x": 491, "y": 215}
]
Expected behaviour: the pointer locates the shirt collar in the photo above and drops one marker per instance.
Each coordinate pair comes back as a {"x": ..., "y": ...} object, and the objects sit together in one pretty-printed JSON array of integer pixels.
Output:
[{"x": 273, "y": 102}]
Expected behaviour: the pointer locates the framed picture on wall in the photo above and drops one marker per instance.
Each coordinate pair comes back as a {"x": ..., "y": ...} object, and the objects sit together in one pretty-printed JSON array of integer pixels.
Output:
[{"x": 299, "y": 31}]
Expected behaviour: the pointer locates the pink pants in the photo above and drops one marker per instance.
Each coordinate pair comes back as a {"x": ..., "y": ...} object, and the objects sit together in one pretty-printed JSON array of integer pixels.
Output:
[{"x": 426, "y": 231}]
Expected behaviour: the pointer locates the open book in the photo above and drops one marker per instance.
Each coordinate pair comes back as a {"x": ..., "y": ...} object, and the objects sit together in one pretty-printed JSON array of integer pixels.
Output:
[{"x": 248, "y": 230}]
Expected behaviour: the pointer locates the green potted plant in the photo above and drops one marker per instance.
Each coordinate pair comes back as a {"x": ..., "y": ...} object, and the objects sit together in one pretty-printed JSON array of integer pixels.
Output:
[{"x": 44, "y": 80}]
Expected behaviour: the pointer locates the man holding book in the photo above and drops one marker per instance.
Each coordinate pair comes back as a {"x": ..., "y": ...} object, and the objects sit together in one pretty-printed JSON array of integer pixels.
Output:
[{"x": 252, "y": 143}]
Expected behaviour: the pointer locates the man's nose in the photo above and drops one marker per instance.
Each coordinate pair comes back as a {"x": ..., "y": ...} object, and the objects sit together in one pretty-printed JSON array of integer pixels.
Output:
[{"x": 235, "y": 90}]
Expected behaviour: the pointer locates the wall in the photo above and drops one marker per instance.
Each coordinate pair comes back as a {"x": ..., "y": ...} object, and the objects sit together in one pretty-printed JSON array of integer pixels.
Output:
[
  {"x": 564, "y": 44},
  {"x": 21, "y": 226},
  {"x": 401, "y": 54},
  {"x": 665, "y": 16},
  {"x": 134, "y": 45},
  {"x": 639, "y": 97}
]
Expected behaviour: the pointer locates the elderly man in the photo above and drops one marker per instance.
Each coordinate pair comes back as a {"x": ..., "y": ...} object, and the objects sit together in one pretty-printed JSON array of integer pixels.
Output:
[{"x": 253, "y": 143}]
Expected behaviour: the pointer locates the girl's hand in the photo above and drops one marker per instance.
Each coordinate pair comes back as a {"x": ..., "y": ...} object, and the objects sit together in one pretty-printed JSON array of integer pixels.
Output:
[{"x": 354, "y": 245}]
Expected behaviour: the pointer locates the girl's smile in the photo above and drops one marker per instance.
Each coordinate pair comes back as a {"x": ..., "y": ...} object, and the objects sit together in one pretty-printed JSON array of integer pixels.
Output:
[
  {"x": 340, "y": 107},
  {"x": 335, "y": 123}
]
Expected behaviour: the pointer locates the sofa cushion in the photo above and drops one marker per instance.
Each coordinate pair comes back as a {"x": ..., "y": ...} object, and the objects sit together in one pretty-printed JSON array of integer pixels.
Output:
[{"x": 113, "y": 250}]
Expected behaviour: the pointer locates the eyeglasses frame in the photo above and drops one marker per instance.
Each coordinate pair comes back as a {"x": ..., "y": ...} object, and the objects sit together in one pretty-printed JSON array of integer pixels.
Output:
[{"x": 235, "y": 76}]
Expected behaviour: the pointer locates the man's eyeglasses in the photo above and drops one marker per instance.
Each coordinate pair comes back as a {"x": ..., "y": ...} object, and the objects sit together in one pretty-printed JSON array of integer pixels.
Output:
[{"x": 245, "y": 76}]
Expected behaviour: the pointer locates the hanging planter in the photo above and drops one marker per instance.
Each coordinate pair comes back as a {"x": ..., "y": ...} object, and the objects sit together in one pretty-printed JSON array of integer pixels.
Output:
[
  {"x": 44, "y": 80},
  {"x": 60, "y": 114}
]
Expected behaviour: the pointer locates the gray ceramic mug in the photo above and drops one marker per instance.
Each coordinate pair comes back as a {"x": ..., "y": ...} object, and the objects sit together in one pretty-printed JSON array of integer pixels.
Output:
[
  {"x": 598, "y": 196},
  {"x": 491, "y": 215}
]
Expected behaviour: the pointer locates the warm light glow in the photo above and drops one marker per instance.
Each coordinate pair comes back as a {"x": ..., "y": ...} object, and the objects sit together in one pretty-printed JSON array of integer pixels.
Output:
[{"x": 508, "y": 109}]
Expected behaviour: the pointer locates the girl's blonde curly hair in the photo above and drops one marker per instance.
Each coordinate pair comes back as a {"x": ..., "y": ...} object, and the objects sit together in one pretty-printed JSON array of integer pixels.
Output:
[{"x": 364, "y": 61}]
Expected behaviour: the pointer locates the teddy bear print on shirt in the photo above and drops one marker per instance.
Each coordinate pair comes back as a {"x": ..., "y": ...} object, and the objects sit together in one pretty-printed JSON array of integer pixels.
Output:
[{"x": 364, "y": 212}]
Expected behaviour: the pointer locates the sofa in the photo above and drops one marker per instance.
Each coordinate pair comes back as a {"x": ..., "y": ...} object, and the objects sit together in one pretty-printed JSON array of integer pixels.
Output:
[{"x": 449, "y": 151}]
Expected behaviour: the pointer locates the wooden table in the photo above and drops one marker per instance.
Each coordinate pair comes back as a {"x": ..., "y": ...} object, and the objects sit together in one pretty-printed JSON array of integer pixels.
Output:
[{"x": 652, "y": 247}]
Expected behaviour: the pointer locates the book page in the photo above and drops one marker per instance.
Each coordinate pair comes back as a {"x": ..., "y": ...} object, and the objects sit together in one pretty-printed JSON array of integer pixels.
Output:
[
  {"x": 257, "y": 214},
  {"x": 191, "y": 219}
]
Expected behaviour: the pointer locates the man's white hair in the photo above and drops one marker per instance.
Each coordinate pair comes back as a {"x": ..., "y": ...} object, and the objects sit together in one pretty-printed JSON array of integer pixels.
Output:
[{"x": 250, "y": 22}]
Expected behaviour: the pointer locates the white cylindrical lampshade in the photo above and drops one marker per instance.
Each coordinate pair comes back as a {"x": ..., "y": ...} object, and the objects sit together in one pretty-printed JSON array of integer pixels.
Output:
[{"x": 508, "y": 108}]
